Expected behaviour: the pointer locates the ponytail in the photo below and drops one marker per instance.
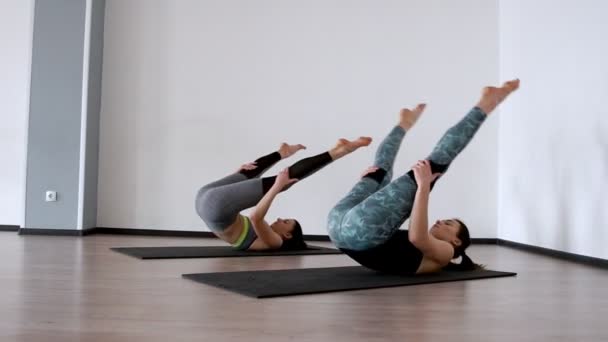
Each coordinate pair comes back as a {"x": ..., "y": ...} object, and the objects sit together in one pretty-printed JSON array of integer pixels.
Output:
[
  {"x": 459, "y": 251},
  {"x": 465, "y": 265}
]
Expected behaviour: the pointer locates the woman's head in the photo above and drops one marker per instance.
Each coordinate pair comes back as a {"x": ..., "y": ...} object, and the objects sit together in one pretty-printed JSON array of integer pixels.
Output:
[
  {"x": 455, "y": 232},
  {"x": 291, "y": 233}
]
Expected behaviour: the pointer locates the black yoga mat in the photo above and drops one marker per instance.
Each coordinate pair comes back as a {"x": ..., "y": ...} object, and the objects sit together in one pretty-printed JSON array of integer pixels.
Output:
[
  {"x": 177, "y": 252},
  {"x": 277, "y": 283}
]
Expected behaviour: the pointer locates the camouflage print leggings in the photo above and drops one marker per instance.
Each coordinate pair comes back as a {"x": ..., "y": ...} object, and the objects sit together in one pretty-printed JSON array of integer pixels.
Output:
[{"x": 376, "y": 207}]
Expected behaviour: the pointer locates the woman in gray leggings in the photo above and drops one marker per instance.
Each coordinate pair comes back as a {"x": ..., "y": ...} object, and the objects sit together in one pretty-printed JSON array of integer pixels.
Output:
[
  {"x": 365, "y": 224},
  {"x": 219, "y": 203}
]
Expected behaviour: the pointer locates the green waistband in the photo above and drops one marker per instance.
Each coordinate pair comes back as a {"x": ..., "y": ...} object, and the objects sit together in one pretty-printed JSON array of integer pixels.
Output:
[{"x": 244, "y": 232}]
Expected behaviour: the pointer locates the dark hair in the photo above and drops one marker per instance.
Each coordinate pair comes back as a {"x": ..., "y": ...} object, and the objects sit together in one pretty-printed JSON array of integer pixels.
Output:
[
  {"x": 297, "y": 239},
  {"x": 466, "y": 264}
]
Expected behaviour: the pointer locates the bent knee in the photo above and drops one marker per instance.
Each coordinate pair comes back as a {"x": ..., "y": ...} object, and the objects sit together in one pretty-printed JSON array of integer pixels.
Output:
[{"x": 210, "y": 206}]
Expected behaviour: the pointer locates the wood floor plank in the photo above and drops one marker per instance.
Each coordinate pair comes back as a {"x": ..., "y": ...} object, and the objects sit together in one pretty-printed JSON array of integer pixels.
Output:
[{"x": 76, "y": 289}]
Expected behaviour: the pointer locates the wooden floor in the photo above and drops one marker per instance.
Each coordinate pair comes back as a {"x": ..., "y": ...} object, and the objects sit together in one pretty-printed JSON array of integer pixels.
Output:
[{"x": 76, "y": 289}]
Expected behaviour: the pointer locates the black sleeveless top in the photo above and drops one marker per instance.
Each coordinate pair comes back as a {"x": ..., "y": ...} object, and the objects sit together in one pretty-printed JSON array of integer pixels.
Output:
[{"x": 397, "y": 255}]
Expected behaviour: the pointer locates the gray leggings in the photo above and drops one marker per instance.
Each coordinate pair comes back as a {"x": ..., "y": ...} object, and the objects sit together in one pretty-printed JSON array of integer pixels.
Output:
[
  {"x": 376, "y": 207},
  {"x": 219, "y": 203}
]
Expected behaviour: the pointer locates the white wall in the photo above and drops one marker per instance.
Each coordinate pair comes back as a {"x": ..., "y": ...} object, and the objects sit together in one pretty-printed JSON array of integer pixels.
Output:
[
  {"x": 15, "y": 57},
  {"x": 554, "y": 133},
  {"x": 192, "y": 89}
]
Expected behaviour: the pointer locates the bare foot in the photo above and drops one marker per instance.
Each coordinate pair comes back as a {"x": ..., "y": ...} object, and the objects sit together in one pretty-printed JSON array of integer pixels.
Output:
[
  {"x": 287, "y": 150},
  {"x": 491, "y": 97},
  {"x": 344, "y": 146},
  {"x": 409, "y": 117}
]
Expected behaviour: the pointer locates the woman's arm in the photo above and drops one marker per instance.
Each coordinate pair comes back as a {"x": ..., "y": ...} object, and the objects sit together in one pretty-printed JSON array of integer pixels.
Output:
[
  {"x": 418, "y": 231},
  {"x": 438, "y": 250},
  {"x": 261, "y": 227}
]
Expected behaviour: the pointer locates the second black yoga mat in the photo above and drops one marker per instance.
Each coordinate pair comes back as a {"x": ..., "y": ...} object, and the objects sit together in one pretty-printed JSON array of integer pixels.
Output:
[{"x": 276, "y": 283}]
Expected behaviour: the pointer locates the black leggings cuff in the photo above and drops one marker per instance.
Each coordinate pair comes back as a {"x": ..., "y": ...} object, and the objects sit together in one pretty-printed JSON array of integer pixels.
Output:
[
  {"x": 377, "y": 175},
  {"x": 262, "y": 164},
  {"x": 435, "y": 168}
]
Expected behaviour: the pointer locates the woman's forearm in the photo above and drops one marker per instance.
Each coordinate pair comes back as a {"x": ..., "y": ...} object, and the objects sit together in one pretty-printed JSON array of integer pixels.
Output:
[
  {"x": 261, "y": 209},
  {"x": 418, "y": 230}
]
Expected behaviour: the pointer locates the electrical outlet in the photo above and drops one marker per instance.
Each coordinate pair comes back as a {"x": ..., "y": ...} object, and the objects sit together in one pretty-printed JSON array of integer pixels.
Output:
[{"x": 51, "y": 196}]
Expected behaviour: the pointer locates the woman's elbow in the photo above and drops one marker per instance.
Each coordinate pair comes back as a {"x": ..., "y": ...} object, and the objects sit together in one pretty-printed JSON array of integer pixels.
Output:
[{"x": 256, "y": 219}]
